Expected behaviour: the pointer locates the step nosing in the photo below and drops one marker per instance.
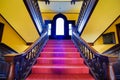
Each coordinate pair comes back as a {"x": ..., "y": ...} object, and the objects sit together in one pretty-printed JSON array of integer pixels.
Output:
[
  {"x": 61, "y": 58},
  {"x": 61, "y": 66},
  {"x": 59, "y": 52}
]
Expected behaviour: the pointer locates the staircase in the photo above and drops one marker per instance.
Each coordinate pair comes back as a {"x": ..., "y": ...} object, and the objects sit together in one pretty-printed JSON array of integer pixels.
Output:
[{"x": 60, "y": 60}]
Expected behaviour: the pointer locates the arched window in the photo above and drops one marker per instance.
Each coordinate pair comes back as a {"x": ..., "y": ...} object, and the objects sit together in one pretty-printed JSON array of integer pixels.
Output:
[
  {"x": 60, "y": 26},
  {"x": 70, "y": 29},
  {"x": 49, "y": 29}
]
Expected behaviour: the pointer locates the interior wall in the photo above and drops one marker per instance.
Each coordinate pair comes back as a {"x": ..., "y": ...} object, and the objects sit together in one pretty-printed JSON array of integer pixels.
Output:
[
  {"x": 11, "y": 38},
  {"x": 15, "y": 12},
  {"x": 50, "y": 16},
  {"x": 105, "y": 12},
  {"x": 98, "y": 44}
]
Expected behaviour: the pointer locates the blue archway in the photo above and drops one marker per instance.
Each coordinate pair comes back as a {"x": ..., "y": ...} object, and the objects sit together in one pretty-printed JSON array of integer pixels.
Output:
[{"x": 64, "y": 34}]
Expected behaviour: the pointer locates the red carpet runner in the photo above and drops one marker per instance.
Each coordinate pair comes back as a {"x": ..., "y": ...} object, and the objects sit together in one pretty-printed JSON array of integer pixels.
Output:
[{"x": 60, "y": 60}]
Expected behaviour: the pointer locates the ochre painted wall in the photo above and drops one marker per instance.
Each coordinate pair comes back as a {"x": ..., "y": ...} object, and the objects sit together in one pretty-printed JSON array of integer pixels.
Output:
[
  {"x": 99, "y": 46},
  {"x": 48, "y": 16},
  {"x": 103, "y": 15},
  {"x": 11, "y": 38},
  {"x": 15, "y": 12}
]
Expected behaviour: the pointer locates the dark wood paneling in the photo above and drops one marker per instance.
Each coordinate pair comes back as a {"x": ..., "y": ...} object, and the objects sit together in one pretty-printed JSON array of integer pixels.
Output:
[
  {"x": 1, "y": 30},
  {"x": 118, "y": 32},
  {"x": 29, "y": 43},
  {"x": 91, "y": 44}
]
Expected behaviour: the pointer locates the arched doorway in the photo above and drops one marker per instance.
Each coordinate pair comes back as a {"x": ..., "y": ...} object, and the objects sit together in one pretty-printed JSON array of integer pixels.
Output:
[{"x": 59, "y": 29}]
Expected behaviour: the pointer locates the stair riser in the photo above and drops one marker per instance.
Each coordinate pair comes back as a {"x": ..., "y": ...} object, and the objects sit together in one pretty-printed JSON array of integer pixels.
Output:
[
  {"x": 61, "y": 45},
  {"x": 59, "y": 50},
  {"x": 64, "y": 48},
  {"x": 60, "y": 55},
  {"x": 58, "y": 61},
  {"x": 61, "y": 70},
  {"x": 56, "y": 41},
  {"x": 60, "y": 77},
  {"x": 75, "y": 53}
]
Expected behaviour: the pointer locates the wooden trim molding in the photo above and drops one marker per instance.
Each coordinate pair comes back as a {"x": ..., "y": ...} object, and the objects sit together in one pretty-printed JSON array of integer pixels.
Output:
[
  {"x": 29, "y": 43},
  {"x": 91, "y": 44}
]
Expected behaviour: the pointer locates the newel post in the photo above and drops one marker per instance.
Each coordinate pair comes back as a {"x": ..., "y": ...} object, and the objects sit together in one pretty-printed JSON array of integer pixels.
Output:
[
  {"x": 112, "y": 61},
  {"x": 10, "y": 59}
]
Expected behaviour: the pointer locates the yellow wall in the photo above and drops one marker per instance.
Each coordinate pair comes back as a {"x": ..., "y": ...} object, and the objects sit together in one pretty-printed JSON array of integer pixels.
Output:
[
  {"x": 48, "y": 16},
  {"x": 15, "y": 12},
  {"x": 99, "y": 46},
  {"x": 11, "y": 38},
  {"x": 103, "y": 15}
]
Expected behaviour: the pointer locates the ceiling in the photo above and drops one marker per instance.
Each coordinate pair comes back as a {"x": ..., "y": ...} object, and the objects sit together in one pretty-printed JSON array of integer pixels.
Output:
[
  {"x": 60, "y": 7},
  {"x": 71, "y": 11}
]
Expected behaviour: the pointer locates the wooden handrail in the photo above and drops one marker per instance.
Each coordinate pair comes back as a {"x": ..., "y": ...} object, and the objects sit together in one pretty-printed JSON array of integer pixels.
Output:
[
  {"x": 20, "y": 64},
  {"x": 98, "y": 63}
]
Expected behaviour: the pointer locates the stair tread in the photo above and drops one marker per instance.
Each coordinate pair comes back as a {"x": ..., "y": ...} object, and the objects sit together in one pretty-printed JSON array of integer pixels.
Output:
[
  {"x": 70, "y": 61},
  {"x": 60, "y": 55},
  {"x": 59, "y": 66},
  {"x": 62, "y": 52},
  {"x": 59, "y": 58},
  {"x": 60, "y": 77},
  {"x": 60, "y": 69},
  {"x": 61, "y": 48},
  {"x": 61, "y": 45}
]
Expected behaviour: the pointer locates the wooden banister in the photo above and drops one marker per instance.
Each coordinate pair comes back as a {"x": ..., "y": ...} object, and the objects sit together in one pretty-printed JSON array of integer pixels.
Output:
[
  {"x": 20, "y": 64},
  {"x": 98, "y": 63}
]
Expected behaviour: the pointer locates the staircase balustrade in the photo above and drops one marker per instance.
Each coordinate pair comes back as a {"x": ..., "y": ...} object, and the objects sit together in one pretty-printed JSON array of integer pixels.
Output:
[
  {"x": 20, "y": 64},
  {"x": 98, "y": 63}
]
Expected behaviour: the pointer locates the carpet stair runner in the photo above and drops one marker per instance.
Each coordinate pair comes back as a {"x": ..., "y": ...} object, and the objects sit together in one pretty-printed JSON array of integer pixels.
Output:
[{"x": 60, "y": 60}]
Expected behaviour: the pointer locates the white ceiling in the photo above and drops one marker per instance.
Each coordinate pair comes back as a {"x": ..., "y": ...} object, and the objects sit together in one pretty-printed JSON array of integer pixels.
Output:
[{"x": 60, "y": 6}]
